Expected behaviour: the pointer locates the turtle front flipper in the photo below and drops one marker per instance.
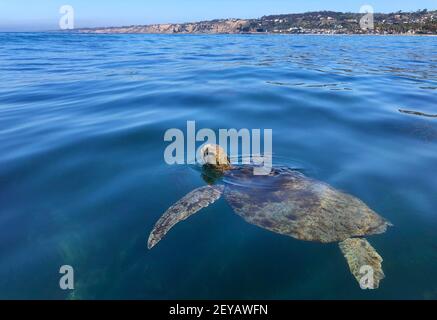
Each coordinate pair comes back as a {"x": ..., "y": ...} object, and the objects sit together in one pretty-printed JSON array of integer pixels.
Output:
[
  {"x": 364, "y": 262},
  {"x": 190, "y": 204}
]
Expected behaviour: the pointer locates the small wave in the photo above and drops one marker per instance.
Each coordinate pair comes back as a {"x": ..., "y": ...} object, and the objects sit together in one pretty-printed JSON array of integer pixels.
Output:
[{"x": 418, "y": 113}]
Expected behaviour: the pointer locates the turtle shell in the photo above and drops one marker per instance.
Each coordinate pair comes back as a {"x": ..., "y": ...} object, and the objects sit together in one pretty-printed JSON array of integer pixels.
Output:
[{"x": 289, "y": 203}]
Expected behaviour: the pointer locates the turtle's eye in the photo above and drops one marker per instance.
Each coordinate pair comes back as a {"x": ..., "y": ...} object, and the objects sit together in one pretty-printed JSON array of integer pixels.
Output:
[{"x": 207, "y": 152}]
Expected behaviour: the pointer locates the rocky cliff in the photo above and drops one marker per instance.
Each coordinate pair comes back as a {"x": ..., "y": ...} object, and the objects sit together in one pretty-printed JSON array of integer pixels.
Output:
[{"x": 320, "y": 22}]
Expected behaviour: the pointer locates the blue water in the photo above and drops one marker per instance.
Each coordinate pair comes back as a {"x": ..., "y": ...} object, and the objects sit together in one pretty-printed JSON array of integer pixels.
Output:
[{"x": 83, "y": 178}]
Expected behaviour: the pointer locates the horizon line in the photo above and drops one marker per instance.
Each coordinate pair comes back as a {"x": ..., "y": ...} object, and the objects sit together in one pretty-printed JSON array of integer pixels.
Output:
[{"x": 267, "y": 15}]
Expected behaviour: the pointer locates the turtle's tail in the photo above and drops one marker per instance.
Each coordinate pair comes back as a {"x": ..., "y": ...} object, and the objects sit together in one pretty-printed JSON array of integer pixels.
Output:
[{"x": 379, "y": 227}]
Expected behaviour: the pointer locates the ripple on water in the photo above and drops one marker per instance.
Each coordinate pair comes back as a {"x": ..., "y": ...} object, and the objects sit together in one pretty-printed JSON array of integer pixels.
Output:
[{"x": 83, "y": 179}]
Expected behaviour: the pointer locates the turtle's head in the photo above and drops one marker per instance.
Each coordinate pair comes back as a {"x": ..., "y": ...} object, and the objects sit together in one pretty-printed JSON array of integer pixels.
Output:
[{"x": 214, "y": 157}]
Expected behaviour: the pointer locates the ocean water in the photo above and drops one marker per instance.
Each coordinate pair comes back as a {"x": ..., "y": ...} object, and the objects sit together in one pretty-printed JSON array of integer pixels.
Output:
[{"x": 83, "y": 177}]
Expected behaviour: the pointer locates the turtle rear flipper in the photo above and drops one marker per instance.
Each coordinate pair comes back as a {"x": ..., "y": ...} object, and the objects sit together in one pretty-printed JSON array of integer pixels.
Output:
[
  {"x": 364, "y": 262},
  {"x": 190, "y": 204}
]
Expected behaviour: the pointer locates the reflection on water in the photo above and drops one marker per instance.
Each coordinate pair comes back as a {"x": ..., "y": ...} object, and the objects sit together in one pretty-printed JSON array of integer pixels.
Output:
[
  {"x": 418, "y": 113},
  {"x": 83, "y": 178}
]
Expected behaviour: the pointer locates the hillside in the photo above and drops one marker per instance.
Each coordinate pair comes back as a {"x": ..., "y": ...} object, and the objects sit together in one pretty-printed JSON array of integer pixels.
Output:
[{"x": 321, "y": 22}]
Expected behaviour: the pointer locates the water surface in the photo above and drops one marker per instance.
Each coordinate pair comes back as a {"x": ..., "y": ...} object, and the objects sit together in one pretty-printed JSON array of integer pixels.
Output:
[{"x": 83, "y": 179}]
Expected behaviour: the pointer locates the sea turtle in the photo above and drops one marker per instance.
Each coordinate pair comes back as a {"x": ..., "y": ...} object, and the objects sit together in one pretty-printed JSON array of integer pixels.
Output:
[{"x": 286, "y": 202}]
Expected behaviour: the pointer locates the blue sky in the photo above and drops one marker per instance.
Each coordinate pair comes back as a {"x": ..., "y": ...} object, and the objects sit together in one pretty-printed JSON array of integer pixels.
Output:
[{"x": 23, "y": 15}]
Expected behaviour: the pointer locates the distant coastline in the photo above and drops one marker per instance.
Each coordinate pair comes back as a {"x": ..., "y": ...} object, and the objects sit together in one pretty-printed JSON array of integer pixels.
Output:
[{"x": 422, "y": 22}]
